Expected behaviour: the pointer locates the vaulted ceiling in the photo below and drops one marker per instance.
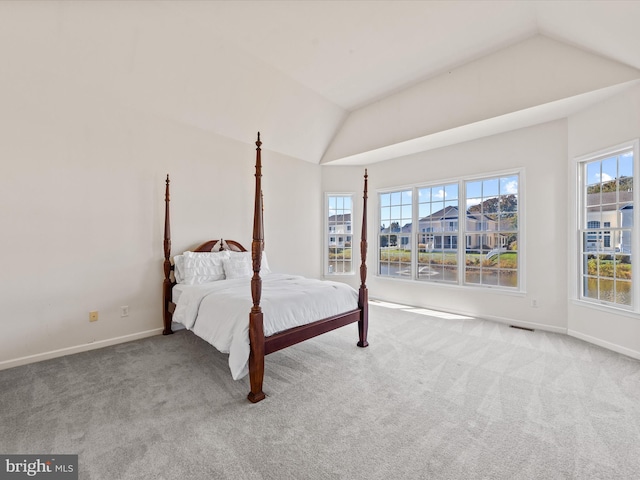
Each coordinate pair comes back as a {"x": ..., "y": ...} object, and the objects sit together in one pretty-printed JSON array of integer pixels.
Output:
[{"x": 335, "y": 82}]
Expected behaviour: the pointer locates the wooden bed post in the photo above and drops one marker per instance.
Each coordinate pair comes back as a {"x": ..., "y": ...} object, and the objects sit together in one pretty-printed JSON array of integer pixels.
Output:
[
  {"x": 256, "y": 329},
  {"x": 166, "y": 286},
  {"x": 363, "y": 294}
]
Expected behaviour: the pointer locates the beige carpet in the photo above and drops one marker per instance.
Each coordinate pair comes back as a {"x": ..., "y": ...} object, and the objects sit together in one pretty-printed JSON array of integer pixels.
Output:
[{"x": 431, "y": 398}]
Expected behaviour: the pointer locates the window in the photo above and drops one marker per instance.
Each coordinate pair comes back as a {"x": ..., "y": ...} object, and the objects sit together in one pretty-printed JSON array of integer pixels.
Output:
[
  {"x": 396, "y": 217},
  {"x": 438, "y": 237},
  {"x": 606, "y": 227},
  {"x": 339, "y": 239},
  {"x": 487, "y": 232},
  {"x": 492, "y": 215}
]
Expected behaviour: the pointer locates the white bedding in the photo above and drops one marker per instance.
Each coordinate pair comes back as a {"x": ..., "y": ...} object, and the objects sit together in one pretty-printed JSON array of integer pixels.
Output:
[{"x": 218, "y": 312}]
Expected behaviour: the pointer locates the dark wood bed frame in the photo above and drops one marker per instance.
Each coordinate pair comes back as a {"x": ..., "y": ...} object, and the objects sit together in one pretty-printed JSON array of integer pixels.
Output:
[{"x": 261, "y": 345}]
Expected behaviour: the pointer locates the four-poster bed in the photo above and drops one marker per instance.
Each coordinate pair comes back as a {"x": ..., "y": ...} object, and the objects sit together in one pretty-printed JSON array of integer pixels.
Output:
[{"x": 342, "y": 307}]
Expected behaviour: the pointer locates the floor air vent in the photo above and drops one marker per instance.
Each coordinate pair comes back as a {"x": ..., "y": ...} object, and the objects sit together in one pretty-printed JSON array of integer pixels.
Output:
[{"x": 522, "y": 328}]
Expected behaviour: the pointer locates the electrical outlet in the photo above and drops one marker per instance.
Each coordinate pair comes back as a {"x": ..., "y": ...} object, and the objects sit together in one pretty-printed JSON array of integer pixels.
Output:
[
  {"x": 93, "y": 316},
  {"x": 124, "y": 311},
  {"x": 534, "y": 303}
]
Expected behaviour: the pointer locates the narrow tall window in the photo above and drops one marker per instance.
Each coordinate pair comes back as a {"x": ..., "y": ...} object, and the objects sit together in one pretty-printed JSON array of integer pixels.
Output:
[
  {"x": 438, "y": 233},
  {"x": 606, "y": 228},
  {"x": 338, "y": 234},
  {"x": 395, "y": 233},
  {"x": 492, "y": 231}
]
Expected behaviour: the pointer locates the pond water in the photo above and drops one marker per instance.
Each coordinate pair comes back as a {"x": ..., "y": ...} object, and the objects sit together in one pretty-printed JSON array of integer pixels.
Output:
[
  {"x": 448, "y": 273},
  {"x": 608, "y": 290}
]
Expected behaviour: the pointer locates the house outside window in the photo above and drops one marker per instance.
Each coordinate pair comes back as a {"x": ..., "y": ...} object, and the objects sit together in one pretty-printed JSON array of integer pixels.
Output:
[
  {"x": 606, "y": 231},
  {"x": 488, "y": 231},
  {"x": 339, "y": 215}
]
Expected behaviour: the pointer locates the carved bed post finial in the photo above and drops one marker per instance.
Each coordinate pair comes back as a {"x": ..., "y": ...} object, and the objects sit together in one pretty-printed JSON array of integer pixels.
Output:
[
  {"x": 363, "y": 294},
  {"x": 166, "y": 286},
  {"x": 256, "y": 329}
]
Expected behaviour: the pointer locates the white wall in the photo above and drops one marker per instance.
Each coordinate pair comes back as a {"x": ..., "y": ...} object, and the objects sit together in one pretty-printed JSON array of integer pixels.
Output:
[
  {"x": 607, "y": 124},
  {"x": 82, "y": 210},
  {"x": 541, "y": 151}
]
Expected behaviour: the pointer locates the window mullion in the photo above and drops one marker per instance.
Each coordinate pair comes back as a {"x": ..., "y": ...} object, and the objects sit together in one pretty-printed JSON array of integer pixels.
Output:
[
  {"x": 414, "y": 234},
  {"x": 462, "y": 231},
  {"x": 635, "y": 238}
]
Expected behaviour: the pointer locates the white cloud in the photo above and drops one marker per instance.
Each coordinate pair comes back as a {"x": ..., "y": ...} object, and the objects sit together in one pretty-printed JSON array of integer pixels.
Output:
[
  {"x": 439, "y": 194},
  {"x": 510, "y": 187},
  {"x": 603, "y": 177}
]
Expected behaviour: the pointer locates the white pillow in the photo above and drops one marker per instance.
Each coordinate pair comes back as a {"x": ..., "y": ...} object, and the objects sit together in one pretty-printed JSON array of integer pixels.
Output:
[
  {"x": 216, "y": 255},
  {"x": 203, "y": 267},
  {"x": 178, "y": 264},
  {"x": 240, "y": 265}
]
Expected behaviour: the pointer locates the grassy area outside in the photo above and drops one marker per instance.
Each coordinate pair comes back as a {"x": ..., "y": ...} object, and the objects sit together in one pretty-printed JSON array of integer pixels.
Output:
[
  {"x": 503, "y": 260},
  {"x": 339, "y": 253},
  {"x": 609, "y": 267}
]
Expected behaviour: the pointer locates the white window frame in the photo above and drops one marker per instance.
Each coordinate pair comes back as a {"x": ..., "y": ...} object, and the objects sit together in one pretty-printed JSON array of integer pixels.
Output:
[
  {"x": 328, "y": 233},
  {"x": 577, "y": 214},
  {"x": 462, "y": 230},
  {"x": 398, "y": 234}
]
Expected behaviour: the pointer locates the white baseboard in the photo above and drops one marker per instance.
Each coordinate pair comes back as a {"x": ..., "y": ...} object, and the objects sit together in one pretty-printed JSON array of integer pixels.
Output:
[
  {"x": 16, "y": 362},
  {"x": 493, "y": 318},
  {"x": 525, "y": 324},
  {"x": 604, "y": 344}
]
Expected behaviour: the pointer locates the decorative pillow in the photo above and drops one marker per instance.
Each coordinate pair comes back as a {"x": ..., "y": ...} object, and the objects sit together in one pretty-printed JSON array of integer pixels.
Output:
[
  {"x": 240, "y": 265},
  {"x": 203, "y": 267}
]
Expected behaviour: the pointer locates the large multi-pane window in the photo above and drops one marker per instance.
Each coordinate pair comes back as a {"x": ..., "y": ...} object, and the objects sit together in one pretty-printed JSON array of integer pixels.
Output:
[
  {"x": 339, "y": 231},
  {"x": 606, "y": 228},
  {"x": 476, "y": 247}
]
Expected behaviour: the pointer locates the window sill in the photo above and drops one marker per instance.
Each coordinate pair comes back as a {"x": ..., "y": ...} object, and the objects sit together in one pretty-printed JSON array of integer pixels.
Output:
[
  {"x": 606, "y": 308},
  {"x": 475, "y": 288}
]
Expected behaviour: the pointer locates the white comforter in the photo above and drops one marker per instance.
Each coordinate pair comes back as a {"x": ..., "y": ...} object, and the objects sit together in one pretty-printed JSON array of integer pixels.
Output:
[{"x": 218, "y": 312}]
